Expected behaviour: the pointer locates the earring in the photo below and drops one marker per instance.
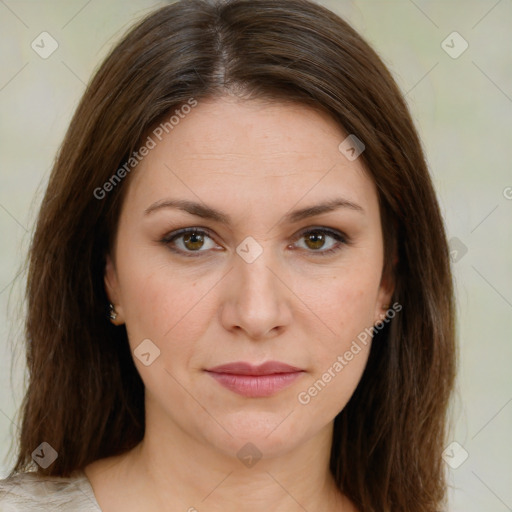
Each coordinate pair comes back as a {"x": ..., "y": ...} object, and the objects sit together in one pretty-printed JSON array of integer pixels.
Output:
[{"x": 112, "y": 312}]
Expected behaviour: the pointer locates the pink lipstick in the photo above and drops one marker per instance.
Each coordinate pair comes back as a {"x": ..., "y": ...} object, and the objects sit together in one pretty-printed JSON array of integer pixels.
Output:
[{"x": 255, "y": 381}]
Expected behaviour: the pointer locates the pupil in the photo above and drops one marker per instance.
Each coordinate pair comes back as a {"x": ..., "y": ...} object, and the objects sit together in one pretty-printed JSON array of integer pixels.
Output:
[
  {"x": 195, "y": 239},
  {"x": 317, "y": 240}
]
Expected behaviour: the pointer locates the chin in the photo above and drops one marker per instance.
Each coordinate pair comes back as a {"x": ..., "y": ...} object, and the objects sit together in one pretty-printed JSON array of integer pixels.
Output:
[{"x": 272, "y": 434}]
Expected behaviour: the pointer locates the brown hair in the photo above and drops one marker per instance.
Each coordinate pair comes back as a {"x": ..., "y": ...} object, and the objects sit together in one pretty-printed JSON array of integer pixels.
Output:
[{"x": 85, "y": 397}]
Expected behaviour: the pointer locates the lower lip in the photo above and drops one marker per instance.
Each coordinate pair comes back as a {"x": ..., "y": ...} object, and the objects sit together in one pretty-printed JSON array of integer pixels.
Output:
[{"x": 255, "y": 386}]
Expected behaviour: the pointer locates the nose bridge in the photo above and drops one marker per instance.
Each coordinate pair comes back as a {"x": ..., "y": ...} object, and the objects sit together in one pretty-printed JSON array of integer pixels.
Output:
[
  {"x": 258, "y": 283},
  {"x": 257, "y": 301}
]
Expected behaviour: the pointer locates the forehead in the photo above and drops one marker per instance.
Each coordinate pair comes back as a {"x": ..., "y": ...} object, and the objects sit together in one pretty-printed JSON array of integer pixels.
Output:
[{"x": 250, "y": 152}]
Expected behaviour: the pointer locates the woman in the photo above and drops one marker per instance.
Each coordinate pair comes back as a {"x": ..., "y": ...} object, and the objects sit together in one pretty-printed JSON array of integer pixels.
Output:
[{"x": 239, "y": 293}]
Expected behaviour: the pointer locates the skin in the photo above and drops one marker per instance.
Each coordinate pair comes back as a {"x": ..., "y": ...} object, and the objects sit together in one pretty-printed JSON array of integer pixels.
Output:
[{"x": 256, "y": 161}]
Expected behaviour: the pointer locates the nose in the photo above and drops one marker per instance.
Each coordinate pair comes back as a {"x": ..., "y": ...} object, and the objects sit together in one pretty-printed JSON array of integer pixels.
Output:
[{"x": 256, "y": 298}]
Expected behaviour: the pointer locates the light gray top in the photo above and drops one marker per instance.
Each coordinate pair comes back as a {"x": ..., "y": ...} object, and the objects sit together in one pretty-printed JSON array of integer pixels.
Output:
[{"x": 29, "y": 492}]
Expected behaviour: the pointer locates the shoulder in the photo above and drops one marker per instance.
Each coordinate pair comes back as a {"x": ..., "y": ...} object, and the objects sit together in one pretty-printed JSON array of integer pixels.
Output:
[{"x": 27, "y": 492}]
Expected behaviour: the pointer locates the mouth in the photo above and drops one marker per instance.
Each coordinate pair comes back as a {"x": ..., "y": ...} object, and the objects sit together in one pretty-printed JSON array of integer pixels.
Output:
[{"x": 253, "y": 381}]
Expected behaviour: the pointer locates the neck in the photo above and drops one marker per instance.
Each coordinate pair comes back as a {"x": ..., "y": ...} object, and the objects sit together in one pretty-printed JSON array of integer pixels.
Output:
[{"x": 181, "y": 471}]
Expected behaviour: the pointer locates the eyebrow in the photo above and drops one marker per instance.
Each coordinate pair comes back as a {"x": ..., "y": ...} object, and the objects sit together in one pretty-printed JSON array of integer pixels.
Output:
[{"x": 206, "y": 212}]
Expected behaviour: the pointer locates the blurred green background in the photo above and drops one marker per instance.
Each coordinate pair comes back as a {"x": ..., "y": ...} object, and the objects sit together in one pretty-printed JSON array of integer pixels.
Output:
[{"x": 461, "y": 100}]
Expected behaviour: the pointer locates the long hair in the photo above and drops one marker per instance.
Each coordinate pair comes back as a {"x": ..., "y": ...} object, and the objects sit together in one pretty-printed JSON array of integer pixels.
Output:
[{"x": 85, "y": 397}]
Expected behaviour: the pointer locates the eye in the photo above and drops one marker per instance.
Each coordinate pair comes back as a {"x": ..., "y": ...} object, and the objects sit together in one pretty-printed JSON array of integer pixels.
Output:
[
  {"x": 318, "y": 238},
  {"x": 188, "y": 241}
]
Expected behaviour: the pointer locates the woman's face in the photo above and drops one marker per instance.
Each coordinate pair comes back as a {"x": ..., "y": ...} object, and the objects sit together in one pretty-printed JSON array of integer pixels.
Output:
[{"x": 267, "y": 274}]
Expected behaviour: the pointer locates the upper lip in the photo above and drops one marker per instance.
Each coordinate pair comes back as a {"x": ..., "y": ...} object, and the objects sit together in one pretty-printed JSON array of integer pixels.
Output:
[{"x": 243, "y": 368}]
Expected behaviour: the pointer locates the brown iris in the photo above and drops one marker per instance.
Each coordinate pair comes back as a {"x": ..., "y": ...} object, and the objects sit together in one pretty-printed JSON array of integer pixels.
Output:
[
  {"x": 315, "y": 240},
  {"x": 196, "y": 241}
]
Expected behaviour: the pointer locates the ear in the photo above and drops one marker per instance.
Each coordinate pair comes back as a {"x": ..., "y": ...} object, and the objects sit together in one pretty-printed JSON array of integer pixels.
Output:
[
  {"x": 112, "y": 289},
  {"x": 386, "y": 289}
]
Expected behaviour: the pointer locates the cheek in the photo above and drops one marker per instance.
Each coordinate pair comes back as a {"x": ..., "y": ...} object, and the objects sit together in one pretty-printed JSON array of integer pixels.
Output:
[
  {"x": 338, "y": 356},
  {"x": 343, "y": 307},
  {"x": 170, "y": 308},
  {"x": 341, "y": 304},
  {"x": 328, "y": 391}
]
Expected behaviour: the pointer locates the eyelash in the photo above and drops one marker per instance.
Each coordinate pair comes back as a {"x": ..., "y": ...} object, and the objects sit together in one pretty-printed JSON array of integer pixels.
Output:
[{"x": 341, "y": 238}]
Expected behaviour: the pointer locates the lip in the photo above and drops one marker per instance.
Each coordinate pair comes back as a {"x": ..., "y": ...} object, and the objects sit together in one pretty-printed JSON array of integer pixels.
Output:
[{"x": 255, "y": 381}]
